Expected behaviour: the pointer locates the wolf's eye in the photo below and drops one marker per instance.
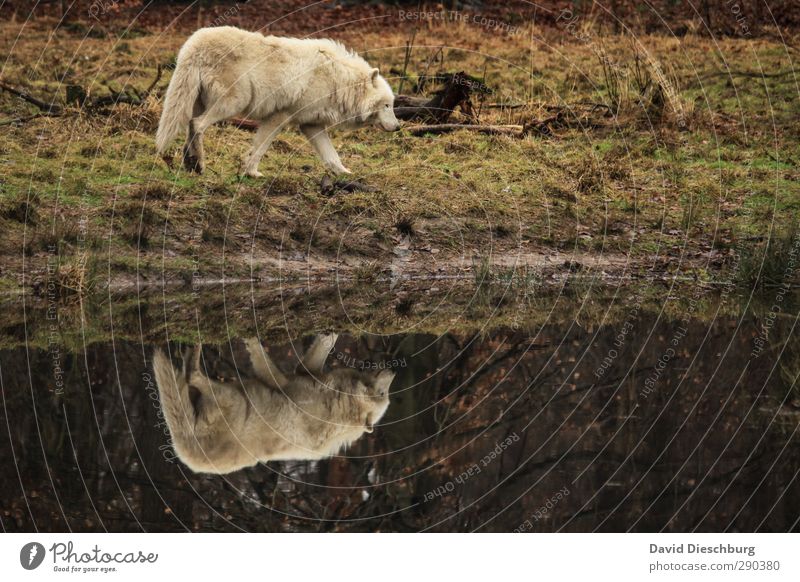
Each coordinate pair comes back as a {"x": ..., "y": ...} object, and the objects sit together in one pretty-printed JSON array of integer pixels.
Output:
[{"x": 387, "y": 106}]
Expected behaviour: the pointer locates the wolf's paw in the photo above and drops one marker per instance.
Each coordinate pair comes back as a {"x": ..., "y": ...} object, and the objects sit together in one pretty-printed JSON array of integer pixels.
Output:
[
  {"x": 337, "y": 169},
  {"x": 253, "y": 174},
  {"x": 193, "y": 164},
  {"x": 253, "y": 346},
  {"x": 327, "y": 341}
]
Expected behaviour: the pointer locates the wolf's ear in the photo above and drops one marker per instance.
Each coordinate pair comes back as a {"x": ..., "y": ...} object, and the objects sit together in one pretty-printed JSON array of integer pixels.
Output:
[
  {"x": 383, "y": 381},
  {"x": 374, "y": 77}
]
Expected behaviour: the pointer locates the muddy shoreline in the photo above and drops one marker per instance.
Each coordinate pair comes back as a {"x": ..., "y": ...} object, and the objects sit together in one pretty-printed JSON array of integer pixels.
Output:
[{"x": 406, "y": 265}]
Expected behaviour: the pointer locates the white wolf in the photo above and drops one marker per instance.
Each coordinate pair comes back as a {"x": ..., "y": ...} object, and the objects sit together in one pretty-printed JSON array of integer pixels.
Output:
[
  {"x": 224, "y": 72},
  {"x": 223, "y": 426}
]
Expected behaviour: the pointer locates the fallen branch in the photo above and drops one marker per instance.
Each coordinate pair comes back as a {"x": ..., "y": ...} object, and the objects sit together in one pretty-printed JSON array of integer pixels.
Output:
[
  {"x": 115, "y": 98},
  {"x": 505, "y": 105},
  {"x": 594, "y": 106},
  {"x": 78, "y": 95},
  {"x": 448, "y": 127},
  {"x": 564, "y": 118},
  {"x": 48, "y": 108}
]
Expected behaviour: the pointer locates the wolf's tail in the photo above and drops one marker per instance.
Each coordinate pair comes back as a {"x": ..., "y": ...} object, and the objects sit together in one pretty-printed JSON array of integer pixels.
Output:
[
  {"x": 173, "y": 388},
  {"x": 182, "y": 93}
]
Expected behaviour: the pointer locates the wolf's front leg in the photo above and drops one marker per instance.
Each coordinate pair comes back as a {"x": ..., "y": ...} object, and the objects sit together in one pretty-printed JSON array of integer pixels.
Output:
[
  {"x": 318, "y": 136},
  {"x": 263, "y": 366},
  {"x": 314, "y": 359},
  {"x": 267, "y": 132}
]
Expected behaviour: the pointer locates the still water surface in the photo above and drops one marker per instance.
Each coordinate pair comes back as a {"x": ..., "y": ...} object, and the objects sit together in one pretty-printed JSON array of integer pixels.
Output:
[{"x": 643, "y": 423}]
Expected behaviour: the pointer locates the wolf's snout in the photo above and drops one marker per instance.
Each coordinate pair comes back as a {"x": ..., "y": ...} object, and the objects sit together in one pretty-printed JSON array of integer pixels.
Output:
[{"x": 393, "y": 127}]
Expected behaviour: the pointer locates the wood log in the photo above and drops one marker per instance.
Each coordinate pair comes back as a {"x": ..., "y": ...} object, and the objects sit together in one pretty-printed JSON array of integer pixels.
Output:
[{"x": 456, "y": 92}]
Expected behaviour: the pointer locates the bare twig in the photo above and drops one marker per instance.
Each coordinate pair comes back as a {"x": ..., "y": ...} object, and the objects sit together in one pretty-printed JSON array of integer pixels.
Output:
[
  {"x": 152, "y": 86},
  {"x": 424, "y": 77},
  {"x": 409, "y": 48}
]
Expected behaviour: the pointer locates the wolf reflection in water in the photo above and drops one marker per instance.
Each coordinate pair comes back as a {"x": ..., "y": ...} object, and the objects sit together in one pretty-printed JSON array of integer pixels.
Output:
[{"x": 221, "y": 426}]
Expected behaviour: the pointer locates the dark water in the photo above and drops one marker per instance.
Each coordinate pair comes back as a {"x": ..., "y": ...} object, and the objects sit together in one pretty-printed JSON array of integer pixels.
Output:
[{"x": 647, "y": 423}]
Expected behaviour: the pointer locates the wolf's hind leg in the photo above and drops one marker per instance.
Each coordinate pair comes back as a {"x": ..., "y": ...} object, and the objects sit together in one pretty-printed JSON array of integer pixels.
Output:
[
  {"x": 222, "y": 109},
  {"x": 217, "y": 404},
  {"x": 193, "y": 148},
  {"x": 193, "y": 157},
  {"x": 314, "y": 359},
  {"x": 318, "y": 136},
  {"x": 267, "y": 132},
  {"x": 263, "y": 366}
]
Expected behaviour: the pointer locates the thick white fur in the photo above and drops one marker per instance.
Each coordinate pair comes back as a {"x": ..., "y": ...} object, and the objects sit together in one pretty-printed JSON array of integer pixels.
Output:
[
  {"x": 220, "y": 427},
  {"x": 225, "y": 72}
]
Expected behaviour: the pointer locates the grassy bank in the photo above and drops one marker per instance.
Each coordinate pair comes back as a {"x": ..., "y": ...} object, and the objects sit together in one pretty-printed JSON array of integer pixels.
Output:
[{"x": 667, "y": 155}]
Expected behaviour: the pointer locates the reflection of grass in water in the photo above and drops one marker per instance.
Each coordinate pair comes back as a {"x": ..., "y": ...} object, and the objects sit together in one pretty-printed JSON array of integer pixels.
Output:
[
  {"x": 524, "y": 280},
  {"x": 494, "y": 284},
  {"x": 481, "y": 270},
  {"x": 497, "y": 296},
  {"x": 211, "y": 316},
  {"x": 767, "y": 264},
  {"x": 76, "y": 277}
]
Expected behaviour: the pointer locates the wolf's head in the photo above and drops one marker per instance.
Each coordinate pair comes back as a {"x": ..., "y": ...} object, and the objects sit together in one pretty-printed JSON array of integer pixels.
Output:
[
  {"x": 370, "y": 389},
  {"x": 380, "y": 104}
]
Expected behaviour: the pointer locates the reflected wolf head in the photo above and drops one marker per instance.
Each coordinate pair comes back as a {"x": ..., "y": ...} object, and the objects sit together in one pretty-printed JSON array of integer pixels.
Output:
[
  {"x": 219, "y": 426},
  {"x": 370, "y": 388}
]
